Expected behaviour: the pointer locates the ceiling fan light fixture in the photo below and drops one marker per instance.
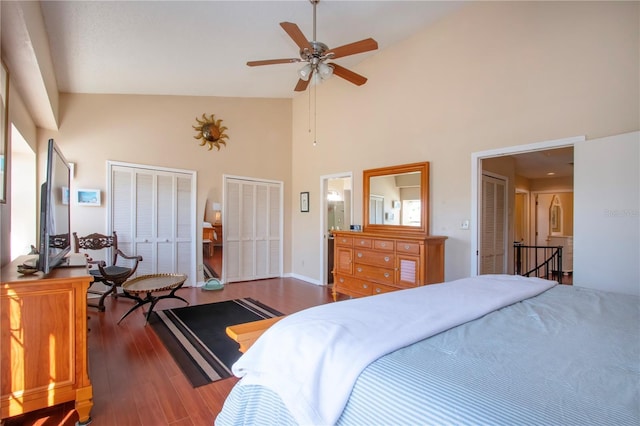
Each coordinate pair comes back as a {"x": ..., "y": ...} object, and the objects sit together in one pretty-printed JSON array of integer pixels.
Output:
[
  {"x": 305, "y": 72},
  {"x": 325, "y": 71}
]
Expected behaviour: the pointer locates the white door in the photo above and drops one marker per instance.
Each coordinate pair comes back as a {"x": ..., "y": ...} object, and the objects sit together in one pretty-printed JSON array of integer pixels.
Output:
[
  {"x": 253, "y": 229},
  {"x": 606, "y": 227},
  {"x": 493, "y": 226},
  {"x": 153, "y": 213}
]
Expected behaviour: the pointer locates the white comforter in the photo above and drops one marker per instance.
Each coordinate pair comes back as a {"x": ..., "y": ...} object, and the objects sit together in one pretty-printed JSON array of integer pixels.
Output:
[{"x": 312, "y": 359}]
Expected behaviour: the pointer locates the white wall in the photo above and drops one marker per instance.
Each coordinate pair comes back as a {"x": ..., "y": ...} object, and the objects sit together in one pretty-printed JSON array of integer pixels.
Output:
[{"x": 607, "y": 222}]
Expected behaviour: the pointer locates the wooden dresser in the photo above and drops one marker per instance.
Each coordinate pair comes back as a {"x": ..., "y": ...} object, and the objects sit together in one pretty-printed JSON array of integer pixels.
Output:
[
  {"x": 43, "y": 340},
  {"x": 367, "y": 263}
]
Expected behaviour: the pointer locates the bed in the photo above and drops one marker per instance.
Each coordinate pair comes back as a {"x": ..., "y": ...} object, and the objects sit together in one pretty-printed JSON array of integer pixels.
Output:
[{"x": 498, "y": 350}]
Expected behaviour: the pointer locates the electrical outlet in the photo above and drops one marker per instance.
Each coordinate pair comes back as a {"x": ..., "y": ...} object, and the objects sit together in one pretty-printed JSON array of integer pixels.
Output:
[{"x": 464, "y": 224}]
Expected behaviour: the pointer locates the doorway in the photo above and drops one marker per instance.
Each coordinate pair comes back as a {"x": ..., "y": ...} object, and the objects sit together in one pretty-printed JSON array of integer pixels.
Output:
[
  {"x": 337, "y": 213},
  {"x": 542, "y": 148}
]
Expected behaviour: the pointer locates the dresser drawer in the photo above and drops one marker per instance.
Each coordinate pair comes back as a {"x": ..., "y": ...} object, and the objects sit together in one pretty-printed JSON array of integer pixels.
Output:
[
  {"x": 409, "y": 247},
  {"x": 348, "y": 285},
  {"x": 381, "y": 288},
  {"x": 383, "y": 245},
  {"x": 374, "y": 273},
  {"x": 375, "y": 258},
  {"x": 363, "y": 242},
  {"x": 341, "y": 240}
]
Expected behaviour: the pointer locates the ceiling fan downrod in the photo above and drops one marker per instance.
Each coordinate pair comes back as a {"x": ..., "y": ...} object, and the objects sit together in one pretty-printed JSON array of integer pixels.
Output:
[{"x": 314, "y": 3}]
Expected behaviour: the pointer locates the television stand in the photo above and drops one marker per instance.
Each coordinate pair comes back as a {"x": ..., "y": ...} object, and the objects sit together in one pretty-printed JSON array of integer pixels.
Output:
[{"x": 37, "y": 311}]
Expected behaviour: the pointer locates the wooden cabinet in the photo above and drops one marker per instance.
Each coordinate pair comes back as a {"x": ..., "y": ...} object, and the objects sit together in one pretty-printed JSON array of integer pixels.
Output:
[
  {"x": 43, "y": 340},
  {"x": 368, "y": 263}
]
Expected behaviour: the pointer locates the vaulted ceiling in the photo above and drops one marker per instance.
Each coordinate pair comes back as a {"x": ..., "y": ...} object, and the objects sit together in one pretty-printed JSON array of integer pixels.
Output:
[{"x": 200, "y": 48}]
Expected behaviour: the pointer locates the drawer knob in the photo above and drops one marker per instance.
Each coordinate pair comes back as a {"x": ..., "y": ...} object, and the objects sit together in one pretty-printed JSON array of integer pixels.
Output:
[
  {"x": 378, "y": 290},
  {"x": 359, "y": 269},
  {"x": 406, "y": 247},
  {"x": 342, "y": 280},
  {"x": 362, "y": 243},
  {"x": 386, "y": 275},
  {"x": 383, "y": 244},
  {"x": 386, "y": 258},
  {"x": 365, "y": 286},
  {"x": 359, "y": 254}
]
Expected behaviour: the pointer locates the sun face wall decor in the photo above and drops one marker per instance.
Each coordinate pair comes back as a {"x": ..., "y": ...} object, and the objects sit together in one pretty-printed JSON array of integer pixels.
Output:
[{"x": 211, "y": 132}]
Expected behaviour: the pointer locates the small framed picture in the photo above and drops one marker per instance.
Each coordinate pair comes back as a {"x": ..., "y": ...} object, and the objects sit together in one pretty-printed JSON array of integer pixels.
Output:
[
  {"x": 88, "y": 197},
  {"x": 304, "y": 201}
]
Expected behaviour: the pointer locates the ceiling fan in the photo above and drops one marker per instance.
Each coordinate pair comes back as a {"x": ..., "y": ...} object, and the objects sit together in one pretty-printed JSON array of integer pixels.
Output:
[{"x": 316, "y": 55}]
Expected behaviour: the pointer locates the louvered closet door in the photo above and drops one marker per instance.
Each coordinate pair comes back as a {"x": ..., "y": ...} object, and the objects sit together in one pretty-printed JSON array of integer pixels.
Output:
[
  {"x": 493, "y": 232},
  {"x": 153, "y": 216},
  {"x": 253, "y": 241}
]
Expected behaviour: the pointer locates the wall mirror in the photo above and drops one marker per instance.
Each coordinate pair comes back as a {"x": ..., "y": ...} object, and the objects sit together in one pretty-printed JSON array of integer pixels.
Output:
[
  {"x": 396, "y": 199},
  {"x": 555, "y": 216}
]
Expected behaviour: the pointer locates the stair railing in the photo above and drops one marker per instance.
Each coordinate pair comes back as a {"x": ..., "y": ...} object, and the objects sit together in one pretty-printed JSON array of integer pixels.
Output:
[{"x": 547, "y": 261}]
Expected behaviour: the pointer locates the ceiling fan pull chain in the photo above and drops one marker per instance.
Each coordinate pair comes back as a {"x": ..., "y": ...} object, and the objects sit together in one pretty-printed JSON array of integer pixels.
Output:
[
  {"x": 309, "y": 112},
  {"x": 315, "y": 113}
]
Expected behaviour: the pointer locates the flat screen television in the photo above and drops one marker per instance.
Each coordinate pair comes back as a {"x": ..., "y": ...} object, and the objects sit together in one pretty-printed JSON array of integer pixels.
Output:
[{"x": 55, "y": 219}]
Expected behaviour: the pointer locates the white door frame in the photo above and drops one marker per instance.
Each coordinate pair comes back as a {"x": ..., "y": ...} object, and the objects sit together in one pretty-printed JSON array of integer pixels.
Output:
[
  {"x": 324, "y": 232},
  {"x": 476, "y": 181}
]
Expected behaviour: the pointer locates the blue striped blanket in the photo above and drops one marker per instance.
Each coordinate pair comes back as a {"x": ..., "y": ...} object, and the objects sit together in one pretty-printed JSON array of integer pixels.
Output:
[
  {"x": 567, "y": 356},
  {"x": 313, "y": 358}
]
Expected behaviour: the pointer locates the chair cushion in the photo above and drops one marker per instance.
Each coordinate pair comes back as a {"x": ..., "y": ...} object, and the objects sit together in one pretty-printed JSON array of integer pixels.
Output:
[
  {"x": 114, "y": 272},
  {"x": 117, "y": 270}
]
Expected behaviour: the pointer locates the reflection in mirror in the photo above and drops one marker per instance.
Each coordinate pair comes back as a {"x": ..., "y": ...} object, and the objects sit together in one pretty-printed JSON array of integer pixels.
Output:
[
  {"x": 396, "y": 198},
  {"x": 338, "y": 203},
  {"x": 555, "y": 216},
  {"x": 376, "y": 209}
]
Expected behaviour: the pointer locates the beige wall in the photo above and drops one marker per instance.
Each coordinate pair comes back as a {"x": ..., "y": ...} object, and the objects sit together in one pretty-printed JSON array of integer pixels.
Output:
[
  {"x": 496, "y": 74},
  {"x": 157, "y": 131}
]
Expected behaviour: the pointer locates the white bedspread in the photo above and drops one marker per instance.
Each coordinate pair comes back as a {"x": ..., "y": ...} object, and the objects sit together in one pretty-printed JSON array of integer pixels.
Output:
[{"x": 311, "y": 359}]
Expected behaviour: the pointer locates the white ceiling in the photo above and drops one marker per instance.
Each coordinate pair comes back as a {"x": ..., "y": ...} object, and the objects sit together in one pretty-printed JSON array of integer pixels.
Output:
[
  {"x": 200, "y": 48},
  {"x": 539, "y": 164}
]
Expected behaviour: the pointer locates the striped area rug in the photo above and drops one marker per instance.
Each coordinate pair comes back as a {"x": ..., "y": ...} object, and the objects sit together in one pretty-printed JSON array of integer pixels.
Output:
[{"x": 195, "y": 336}]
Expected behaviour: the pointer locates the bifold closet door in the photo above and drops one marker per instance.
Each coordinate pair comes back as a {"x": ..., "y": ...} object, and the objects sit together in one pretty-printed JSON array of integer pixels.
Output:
[
  {"x": 151, "y": 211},
  {"x": 493, "y": 234},
  {"x": 253, "y": 240}
]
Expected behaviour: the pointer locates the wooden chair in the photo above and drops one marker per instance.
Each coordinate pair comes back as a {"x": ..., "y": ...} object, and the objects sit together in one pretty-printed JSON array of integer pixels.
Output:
[{"x": 112, "y": 275}]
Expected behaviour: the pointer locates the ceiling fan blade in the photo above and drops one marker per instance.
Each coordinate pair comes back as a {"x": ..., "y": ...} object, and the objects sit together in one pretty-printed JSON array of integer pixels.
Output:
[
  {"x": 273, "y": 61},
  {"x": 353, "y": 48},
  {"x": 303, "y": 84},
  {"x": 348, "y": 75},
  {"x": 296, "y": 34}
]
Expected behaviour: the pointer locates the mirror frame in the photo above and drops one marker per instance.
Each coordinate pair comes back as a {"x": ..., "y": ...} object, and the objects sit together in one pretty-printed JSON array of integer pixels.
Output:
[{"x": 423, "y": 229}]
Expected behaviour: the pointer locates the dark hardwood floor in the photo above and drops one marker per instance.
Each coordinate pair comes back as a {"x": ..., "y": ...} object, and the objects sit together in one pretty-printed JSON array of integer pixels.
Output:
[{"x": 136, "y": 381}]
